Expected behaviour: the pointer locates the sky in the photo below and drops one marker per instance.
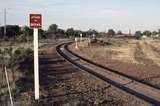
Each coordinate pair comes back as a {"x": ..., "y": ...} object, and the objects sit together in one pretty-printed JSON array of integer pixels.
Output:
[{"x": 86, "y": 14}]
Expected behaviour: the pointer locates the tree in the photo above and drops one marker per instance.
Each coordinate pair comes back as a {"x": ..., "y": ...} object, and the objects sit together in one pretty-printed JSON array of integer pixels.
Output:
[
  {"x": 154, "y": 33},
  {"x": 119, "y": 33},
  {"x": 147, "y": 33},
  {"x": 77, "y": 33},
  {"x": 25, "y": 35},
  {"x": 60, "y": 31},
  {"x": 70, "y": 32},
  {"x": 111, "y": 32},
  {"x": 27, "y": 31},
  {"x": 138, "y": 34},
  {"x": 41, "y": 33},
  {"x": 90, "y": 32},
  {"x": 53, "y": 28}
]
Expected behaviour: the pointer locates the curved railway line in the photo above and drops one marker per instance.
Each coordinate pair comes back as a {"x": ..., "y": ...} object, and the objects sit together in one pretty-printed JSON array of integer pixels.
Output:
[{"x": 141, "y": 90}]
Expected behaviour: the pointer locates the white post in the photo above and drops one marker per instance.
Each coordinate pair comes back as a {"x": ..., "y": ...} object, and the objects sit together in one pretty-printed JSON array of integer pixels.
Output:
[
  {"x": 89, "y": 41},
  {"x": 80, "y": 37},
  {"x": 9, "y": 89},
  {"x": 76, "y": 40},
  {"x": 36, "y": 64},
  {"x": 93, "y": 36}
]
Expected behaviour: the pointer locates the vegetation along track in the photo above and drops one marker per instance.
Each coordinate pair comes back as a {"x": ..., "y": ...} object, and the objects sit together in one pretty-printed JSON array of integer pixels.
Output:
[{"x": 131, "y": 85}]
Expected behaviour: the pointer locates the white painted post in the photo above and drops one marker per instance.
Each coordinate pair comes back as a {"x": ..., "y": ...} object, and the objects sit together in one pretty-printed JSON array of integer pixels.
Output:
[
  {"x": 9, "y": 89},
  {"x": 36, "y": 64},
  {"x": 89, "y": 41},
  {"x": 94, "y": 36},
  {"x": 80, "y": 37},
  {"x": 76, "y": 40}
]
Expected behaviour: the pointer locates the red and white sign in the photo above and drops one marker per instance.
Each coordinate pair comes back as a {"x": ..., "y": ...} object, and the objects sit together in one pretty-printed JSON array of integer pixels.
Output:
[
  {"x": 35, "y": 20},
  {"x": 36, "y": 23}
]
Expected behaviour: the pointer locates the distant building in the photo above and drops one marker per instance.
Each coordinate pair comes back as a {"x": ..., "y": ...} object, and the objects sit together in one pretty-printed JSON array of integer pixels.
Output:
[{"x": 1, "y": 31}]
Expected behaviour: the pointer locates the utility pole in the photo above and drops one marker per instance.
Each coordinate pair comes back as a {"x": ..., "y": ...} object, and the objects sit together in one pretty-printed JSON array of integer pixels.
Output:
[
  {"x": 129, "y": 31},
  {"x": 5, "y": 29}
]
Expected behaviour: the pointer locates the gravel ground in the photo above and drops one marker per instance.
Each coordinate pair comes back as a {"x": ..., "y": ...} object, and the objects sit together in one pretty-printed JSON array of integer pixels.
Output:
[
  {"x": 64, "y": 85},
  {"x": 61, "y": 84}
]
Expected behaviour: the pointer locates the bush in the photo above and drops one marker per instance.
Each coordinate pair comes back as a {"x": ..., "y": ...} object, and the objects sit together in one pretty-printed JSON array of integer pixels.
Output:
[
  {"x": 22, "y": 55},
  {"x": 24, "y": 38}
]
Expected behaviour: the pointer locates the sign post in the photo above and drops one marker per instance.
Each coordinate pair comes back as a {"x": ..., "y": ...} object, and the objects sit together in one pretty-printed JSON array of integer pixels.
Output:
[{"x": 35, "y": 24}]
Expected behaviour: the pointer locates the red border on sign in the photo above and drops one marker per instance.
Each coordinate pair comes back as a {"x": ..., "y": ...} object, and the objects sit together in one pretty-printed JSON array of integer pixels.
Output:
[{"x": 35, "y": 21}]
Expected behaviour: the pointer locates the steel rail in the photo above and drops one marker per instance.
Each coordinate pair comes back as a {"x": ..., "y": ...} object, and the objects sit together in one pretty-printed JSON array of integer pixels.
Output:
[
  {"x": 141, "y": 96},
  {"x": 109, "y": 69}
]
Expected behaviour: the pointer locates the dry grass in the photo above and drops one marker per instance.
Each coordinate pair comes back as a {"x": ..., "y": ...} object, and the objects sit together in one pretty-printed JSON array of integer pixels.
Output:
[
  {"x": 138, "y": 58},
  {"x": 124, "y": 53}
]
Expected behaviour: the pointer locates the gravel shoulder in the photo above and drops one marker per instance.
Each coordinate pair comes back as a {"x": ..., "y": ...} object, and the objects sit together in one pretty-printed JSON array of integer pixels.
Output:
[{"x": 64, "y": 85}]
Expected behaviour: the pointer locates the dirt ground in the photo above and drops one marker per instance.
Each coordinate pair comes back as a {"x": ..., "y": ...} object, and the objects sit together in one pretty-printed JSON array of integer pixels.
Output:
[
  {"x": 61, "y": 84},
  {"x": 138, "y": 58},
  {"x": 64, "y": 85}
]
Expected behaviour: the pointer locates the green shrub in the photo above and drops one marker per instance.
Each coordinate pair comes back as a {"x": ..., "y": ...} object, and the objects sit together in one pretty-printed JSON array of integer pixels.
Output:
[
  {"x": 22, "y": 55},
  {"x": 24, "y": 38}
]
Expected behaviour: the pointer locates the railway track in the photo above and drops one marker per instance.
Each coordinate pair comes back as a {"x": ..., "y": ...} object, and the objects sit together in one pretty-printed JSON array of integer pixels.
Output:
[{"x": 143, "y": 91}]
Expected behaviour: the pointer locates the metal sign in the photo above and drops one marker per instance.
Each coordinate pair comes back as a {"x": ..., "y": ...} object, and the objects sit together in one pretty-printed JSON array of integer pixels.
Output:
[
  {"x": 36, "y": 23},
  {"x": 35, "y": 20}
]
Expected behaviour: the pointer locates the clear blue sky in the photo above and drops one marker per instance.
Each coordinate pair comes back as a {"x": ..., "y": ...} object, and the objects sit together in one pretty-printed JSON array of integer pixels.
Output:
[{"x": 85, "y": 14}]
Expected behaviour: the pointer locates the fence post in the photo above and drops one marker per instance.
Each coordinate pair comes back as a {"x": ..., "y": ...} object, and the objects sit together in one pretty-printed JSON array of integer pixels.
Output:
[{"x": 9, "y": 89}]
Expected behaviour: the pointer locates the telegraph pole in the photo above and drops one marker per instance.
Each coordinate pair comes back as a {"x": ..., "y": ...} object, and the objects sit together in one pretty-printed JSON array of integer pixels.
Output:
[
  {"x": 129, "y": 31},
  {"x": 5, "y": 29}
]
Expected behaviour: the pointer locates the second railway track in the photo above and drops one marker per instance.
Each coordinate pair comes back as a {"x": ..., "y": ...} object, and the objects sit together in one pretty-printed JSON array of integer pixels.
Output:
[{"x": 142, "y": 91}]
